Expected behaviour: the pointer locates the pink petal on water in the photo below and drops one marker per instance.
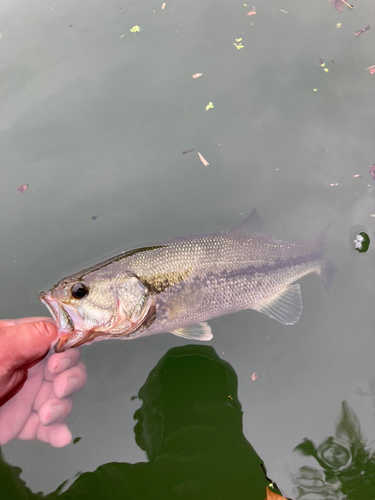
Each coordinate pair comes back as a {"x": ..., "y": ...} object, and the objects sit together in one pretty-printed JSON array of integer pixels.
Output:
[{"x": 22, "y": 188}]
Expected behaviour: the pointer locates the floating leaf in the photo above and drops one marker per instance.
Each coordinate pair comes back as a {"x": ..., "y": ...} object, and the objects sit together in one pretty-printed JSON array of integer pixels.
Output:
[
  {"x": 134, "y": 29},
  {"x": 186, "y": 152},
  {"x": 338, "y": 25},
  {"x": 238, "y": 46},
  {"x": 197, "y": 75},
  {"x": 339, "y": 4},
  {"x": 359, "y": 32},
  {"x": 372, "y": 69},
  {"x": 209, "y": 106},
  {"x": 372, "y": 172},
  {"x": 326, "y": 70},
  {"x": 238, "y": 39},
  {"x": 163, "y": 5},
  {"x": 94, "y": 217},
  {"x": 22, "y": 188},
  {"x": 252, "y": 12},
  {"x": 203, "y": 160},
  {"x": 254, "y": 376},
  {"x": 315, "y": 90}
]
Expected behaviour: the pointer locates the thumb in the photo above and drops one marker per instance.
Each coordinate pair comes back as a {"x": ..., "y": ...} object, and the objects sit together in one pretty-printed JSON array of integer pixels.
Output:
[{"x": 24, "y": 344}]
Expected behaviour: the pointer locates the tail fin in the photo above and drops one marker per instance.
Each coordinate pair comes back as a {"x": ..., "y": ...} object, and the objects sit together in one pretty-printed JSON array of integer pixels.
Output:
[
  {"x": 327, "y": 271},
  {"x": 327, "y": 268}
]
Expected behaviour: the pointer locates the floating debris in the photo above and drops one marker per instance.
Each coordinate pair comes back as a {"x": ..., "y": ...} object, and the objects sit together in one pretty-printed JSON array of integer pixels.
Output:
[
  {"x": 209, "y": 106},
  {"x": 76, "y": 440},
  {"x": 362, "y": 242},
  {"x": 163, "y": 6},
  {"x": 186, "y": 152},
  {"x": 197, "y": 75},
  {"x": 203, "y": 160},
  {"x": 359, "y": 32},
  {"x": 22, "y": 188},
  {"x": 339, "y": 4},
  {"x": 252, "y": 12},
  {"x": 338, "y": 25},
  {"x": 372, "y": 69},
  {"x": 285, "y": 12},
  {"x": 356, "y": 175},
  {"x": 94, "y": 217},
  {"x": 254, "y": 376},
  {"x": 334, "y": 184},
  {"x": 134, "y": 29},
  {"x": 239, "y": 45},
  {"x": 372, "y": 172}
]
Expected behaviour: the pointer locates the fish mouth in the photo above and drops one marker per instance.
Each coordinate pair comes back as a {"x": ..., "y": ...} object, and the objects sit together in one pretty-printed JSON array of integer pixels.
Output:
[{"x": 66, "y": 318}]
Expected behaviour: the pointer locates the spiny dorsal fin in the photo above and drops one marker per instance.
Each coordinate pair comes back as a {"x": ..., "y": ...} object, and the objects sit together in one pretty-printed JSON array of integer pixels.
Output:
[
  {"x": 251, "y": 224},
  {"x": 285, "y": 307},
  {"x": 201, "y": 331}
]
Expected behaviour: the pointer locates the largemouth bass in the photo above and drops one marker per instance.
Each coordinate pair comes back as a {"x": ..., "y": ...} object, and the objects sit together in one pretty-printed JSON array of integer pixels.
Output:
[{"x": 177, "y": 285}]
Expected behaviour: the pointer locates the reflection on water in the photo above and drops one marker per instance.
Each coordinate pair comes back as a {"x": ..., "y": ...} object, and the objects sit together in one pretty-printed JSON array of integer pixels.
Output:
[
  {"x": 190, "y": 426},
  {"x": 347, "y": 467}
]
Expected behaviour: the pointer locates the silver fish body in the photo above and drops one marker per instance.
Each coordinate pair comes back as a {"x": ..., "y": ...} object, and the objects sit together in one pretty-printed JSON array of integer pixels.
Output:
[{"x": 177, "y": 285}]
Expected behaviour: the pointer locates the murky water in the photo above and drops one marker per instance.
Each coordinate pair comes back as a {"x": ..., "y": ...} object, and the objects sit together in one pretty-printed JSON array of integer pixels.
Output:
[{"x": 95, "y": 119}]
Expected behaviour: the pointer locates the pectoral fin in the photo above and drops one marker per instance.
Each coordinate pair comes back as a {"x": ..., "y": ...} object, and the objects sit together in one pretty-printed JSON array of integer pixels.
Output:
[
  {"x": 201, "y": 331},
  {"x": 285, "y": 307}
]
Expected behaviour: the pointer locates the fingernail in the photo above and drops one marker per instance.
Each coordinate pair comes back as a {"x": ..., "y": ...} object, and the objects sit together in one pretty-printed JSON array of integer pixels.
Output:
[
  {"x": 62, "y": 365},
  {"x": 71, "y": 385},
  {"x": 56, "y": 413}
]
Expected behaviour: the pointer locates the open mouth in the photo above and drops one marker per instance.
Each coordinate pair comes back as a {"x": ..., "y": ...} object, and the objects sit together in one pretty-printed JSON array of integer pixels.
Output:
[{"x": 63, "y": 320}]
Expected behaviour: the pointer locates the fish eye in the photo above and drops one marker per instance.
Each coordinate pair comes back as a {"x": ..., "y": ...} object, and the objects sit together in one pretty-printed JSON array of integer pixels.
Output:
[{"x": 79, "y": 291}]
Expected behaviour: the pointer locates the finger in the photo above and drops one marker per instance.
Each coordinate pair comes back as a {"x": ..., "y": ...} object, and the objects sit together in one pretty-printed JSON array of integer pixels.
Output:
[
  {"x": 32, "y": 319},
  {"x": 42, "y": 396},
  {"x": 60, "y": 362},
  {"x": 29, "y": 429},
  {"x": 55, "y": 410},
  {"x": 57, "y": 435},
  {"x": 70, "y": 381},
  {"x": 25, "y": 343}
]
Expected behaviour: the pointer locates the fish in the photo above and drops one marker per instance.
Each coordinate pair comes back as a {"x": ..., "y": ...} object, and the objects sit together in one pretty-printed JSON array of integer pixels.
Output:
[{"x": 177, "y": 285}]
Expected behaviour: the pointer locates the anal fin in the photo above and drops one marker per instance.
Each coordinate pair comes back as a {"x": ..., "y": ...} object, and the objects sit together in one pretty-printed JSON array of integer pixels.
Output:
[
  {"x": 201, "y": 331},
  {"x": 286, "y": 307}
]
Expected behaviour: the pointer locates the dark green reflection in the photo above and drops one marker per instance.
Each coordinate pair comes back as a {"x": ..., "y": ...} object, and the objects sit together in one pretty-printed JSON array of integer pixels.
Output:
[
  {"x": 190, "y": 426},
  {"x": 347, "y": 466}
]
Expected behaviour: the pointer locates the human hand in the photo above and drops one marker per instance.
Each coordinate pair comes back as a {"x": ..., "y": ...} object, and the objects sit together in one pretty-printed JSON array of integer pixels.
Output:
[{"x": 41, "y": 403}]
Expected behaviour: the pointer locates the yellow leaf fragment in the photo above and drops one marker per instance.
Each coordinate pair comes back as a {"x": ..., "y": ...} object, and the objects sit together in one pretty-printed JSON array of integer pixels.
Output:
[
  {"x": 338, "y": 25},
  {"x": 326, "y": 70},
  {"x": 209, "y": 106},
  {"x": 203, "y": 160},
  {"x": 271, "y": 495},
  {"x": 163, "y": 5},
  {"x": 315, "y": 90},
  {"x": 245, "y": 5},
  {"x": 134, "y": 29},
  {"x": 197, "y": 75},
  {"x": 238, "y": 39}
]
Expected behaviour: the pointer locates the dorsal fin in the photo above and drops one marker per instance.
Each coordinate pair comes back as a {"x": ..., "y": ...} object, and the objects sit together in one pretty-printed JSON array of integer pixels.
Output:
[{"x": 251, "y": 224}]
